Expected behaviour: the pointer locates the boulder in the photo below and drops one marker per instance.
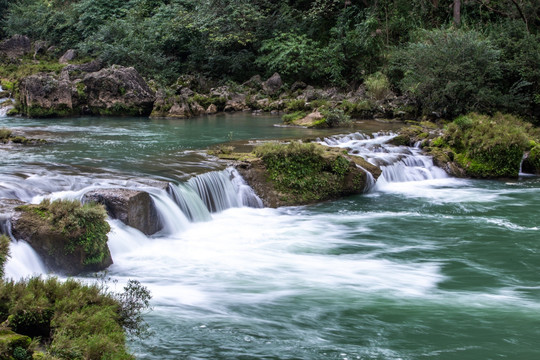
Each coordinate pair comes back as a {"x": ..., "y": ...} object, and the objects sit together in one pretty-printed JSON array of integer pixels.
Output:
[
  {"x": 255, "y": 82},
  {"x": 67, "y": 245},
  {"x": 15, "y": 47},
  {"x": 68, "y": 56},
  {"x": 11, "y": 344},
  {"x": 273, "y": 84},
  {"x": 84, "y": 89},
  {"x": 134, "y": 208},
  {"x": 180, "y": 109},
  {"x": 212, "y": 109},
  {"x": 118, "y": 90},
  {"x": 44, "y": 95}
]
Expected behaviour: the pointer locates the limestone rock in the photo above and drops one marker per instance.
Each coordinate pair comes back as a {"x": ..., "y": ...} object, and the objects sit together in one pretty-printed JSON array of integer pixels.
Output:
[
  {"x": 118, "y": 90},
  {"x": 43, "y": 95},
  {"x": 133, "y": 207},
  {"x": 273, "y": 84},
  {"x": 212, "y": 109},
  {"x": 51, "y": 245},
  {"x": 68, "y": 56},
  {"x": 15, "y": 47}
]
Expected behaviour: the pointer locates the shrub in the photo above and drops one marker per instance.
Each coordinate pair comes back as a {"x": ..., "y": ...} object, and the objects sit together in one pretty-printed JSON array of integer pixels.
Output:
[
  {"x": 452, "y": 72},
  {"x": 378, "y": 86},
  {"x": 77, "y": 321},
  {"x": 335, "y": 118}
]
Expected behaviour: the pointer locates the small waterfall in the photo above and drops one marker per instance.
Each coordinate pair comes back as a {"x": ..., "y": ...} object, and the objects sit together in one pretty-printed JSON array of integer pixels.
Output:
[
  {"x": 221, "y": 190},
  {"x": 172, "y": 217},
  {"x": 245, "y": 192},
  {"x": 23, "y": 261},
  {"x": 4, "y": 109},
  {"x": 189, "y": 202},
  {"x": 398, "y": 163},
  {"x": 370, "y": 180}
]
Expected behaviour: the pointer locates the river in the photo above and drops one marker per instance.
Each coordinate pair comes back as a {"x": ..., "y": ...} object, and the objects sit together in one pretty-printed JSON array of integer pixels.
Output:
[{"x": 424, "y": 266}]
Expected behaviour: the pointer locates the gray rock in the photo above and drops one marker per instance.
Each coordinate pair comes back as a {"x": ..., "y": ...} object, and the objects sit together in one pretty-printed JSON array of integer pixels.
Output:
[
  {"x": 134, "y": 208},
  {"x": 273, "y": 84},
  {"x": 68, "y": 56},
  {"x": 15, "y": 47}
]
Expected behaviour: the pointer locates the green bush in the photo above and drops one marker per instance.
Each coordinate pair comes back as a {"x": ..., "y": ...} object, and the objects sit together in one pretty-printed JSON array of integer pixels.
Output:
[
  {"x": 296, "y": 57},
  {"x": 378, "y": 86},
  {"x": 452, "y": 72},
  {"x": 75, "y": 321},
  {"x": 335, "y": 118}
]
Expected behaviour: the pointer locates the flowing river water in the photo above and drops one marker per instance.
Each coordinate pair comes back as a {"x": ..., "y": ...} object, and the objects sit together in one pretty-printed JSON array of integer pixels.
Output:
[{"x": 424, "y": 266}]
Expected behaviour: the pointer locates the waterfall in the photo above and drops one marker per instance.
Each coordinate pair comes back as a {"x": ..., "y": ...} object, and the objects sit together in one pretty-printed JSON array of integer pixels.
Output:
[
  {"x": 4, "y": 109},
  {"x": 172, "y": 217},
  {"x": 189, "y": 202},
  {"x": 398, "y": 163},
  {"x": 221, "y": 190}
]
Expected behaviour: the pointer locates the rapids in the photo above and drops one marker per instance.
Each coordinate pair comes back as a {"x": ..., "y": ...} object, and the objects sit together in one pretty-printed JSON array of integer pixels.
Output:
[{"x": 424, "y": 266}]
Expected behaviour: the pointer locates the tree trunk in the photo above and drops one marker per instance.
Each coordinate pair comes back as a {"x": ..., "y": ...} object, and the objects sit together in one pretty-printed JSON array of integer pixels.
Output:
[{"x": 457, "y": 12}]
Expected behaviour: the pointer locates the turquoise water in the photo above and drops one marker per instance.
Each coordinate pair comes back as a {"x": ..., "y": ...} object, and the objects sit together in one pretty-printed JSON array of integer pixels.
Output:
[{"x": 435, "y": 269}]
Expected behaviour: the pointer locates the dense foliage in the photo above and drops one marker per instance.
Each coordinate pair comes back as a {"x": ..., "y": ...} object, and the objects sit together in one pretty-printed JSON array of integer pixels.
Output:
[
  {"x": 484, "y": 57},
  {"x": 75, "y": 321}
]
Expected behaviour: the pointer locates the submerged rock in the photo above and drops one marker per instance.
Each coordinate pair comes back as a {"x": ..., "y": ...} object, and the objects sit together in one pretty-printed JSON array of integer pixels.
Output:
[{"x": 134, "y": 208}]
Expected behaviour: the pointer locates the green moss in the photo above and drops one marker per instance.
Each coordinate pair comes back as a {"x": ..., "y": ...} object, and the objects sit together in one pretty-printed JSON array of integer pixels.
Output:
[
  {"x": 296, "y": 105},
  {"x": 36, "y": 111},
  {"x": 5, "y": 134},
  {"x": 206, "y": 101},
  {"x": 81, "y": 90}
]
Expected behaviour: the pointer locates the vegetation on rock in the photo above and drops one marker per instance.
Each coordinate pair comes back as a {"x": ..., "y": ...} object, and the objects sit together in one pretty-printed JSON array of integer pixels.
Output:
[
  {"x": 69, "y": 235},
  {"x": 306, "y": 173},
  {"x": 485, "y": 146}
]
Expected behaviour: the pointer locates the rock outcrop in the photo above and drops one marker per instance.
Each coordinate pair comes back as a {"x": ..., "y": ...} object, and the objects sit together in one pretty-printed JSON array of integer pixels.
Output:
[
  {"x": 15, "y": 47},
  {"x": 133, "y": 207},
  {"x": 86, "y": 89},
  {"x": 273, "y": 84}
]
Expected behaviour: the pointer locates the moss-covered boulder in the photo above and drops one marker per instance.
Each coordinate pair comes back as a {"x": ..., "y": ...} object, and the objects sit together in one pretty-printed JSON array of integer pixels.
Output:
[
  {"x": 133, "y": 207},
  {"x": 70, "y": 237},
  {"x": 14, "y": 346},
  {"x": 297, "y": 173},
  {"x": 482, "y": 146}
]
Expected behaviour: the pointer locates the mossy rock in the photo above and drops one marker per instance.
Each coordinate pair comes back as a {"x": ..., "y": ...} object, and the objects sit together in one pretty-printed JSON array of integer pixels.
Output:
[
  {"x": 70, "y": 237},
  {"x": 298, "y": 174},
  {"x": 13, "y": 345}
]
